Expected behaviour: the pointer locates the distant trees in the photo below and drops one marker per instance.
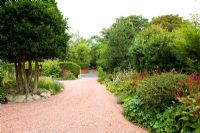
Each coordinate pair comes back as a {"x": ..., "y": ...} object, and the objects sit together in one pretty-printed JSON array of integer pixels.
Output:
[
  {"x": 79, "y": 51},
  {"x": 29, "y": 32},
  {"x": 80, "y": 54},
  {"x": 168, "y": 22},
  {"x": 152, "y": 49},
  {"x": 99, "y": 52},
  {"x": 119, "y": 38},
  {"x": 187, "y": 47},
  {"x": 167, "y": 42}
]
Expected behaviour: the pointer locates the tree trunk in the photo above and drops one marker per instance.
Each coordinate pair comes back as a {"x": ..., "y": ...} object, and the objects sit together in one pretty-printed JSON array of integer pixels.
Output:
[
  {"x": 26, "y": 84},
  {"x": 21, "y": 82},
  {"x": 17, "y": 76},
  {"x": 36, "y": 76},
  {"x": 24, "y": 77},
  {"x": 29, "y": 76}
]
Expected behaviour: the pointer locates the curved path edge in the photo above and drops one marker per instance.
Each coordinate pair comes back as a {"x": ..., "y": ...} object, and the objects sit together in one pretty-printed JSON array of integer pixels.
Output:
[{"x": 84, "y": 106}]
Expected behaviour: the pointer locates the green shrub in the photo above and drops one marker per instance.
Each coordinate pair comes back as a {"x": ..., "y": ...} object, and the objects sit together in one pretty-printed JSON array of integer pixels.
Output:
[
  {"x": 121, "y": 82},
  {"x": 71, "y": 66},
  {"x": 101, "y": 74},
  {"x": 69, "y": 76},
  {"x": 136, "y": 111},
  {"x": 56, "y": 69},
  {"x": 8, "y": 71},
  {"x": 49, "y": 84},
  {"x": 160, "y": 91},
  {"x": 7, "y": 83},
  {"x": 2, "y": 90},
  {"x": 121, "y": 98},
  {"x": 189, "y": 118},
  {"x": 167, "y": 121},
  {"x": 112, "y": 87},
  {"x": 1, "y": 76},
  {"x": 2, "y": 95},
  {"x": 51, "y": 68},
  {"x": 184, "y": 118},
  {"x": 84, "y": 65},
  {"x": 120, "y": 86}
]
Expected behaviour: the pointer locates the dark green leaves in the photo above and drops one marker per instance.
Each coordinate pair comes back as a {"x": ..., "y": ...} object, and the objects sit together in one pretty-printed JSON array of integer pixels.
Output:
[{"x": 30, "y": 28}]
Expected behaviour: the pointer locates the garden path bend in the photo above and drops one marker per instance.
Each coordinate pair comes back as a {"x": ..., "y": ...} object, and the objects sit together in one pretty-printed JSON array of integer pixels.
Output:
[{"x": 84, "y": 106}]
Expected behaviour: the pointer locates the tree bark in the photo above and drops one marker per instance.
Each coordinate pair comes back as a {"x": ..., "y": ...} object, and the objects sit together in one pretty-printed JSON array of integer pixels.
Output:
[
  {"x": 36, "y": 76},
  {"x": 25, "y": 76},
  {"x": 29, "y": 76},
  {"x": 17, "y": 76},
  {"x": 21, "y": 82}
]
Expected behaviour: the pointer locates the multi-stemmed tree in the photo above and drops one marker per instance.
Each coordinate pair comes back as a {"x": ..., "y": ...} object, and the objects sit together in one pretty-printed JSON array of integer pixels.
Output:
[{"x": 31, "y": 30}]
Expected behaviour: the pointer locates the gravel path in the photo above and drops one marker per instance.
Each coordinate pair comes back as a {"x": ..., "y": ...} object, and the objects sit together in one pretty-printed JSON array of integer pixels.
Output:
[{"x": 83, "y": 107}]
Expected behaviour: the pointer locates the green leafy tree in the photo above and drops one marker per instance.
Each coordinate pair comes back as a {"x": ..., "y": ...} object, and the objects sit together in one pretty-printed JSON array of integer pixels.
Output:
[
  {"x": 31, "y": 30},
  {"x": 168, "y": 22},
  {"x": 152, "y": 49},
  {"x": 187, "y": 47},
  {"x": 76, "y": 39},
  {"x": 119, "y": 38},
  {"x": 99, "y": 55},
  {"x": 80, "y": 54},
  {"x": 98, "y": 52}
]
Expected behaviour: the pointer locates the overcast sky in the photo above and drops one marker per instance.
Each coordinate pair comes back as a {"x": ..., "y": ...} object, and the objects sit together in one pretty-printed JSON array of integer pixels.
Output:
[{"x": 90, "y": 16}]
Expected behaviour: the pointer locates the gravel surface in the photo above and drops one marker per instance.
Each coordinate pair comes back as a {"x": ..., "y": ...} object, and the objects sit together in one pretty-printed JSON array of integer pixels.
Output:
[{"x": 84, "y": 106}]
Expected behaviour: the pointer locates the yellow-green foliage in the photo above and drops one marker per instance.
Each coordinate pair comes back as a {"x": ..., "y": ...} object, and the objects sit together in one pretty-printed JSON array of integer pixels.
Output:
[
  {"x": 51, "y": 68},
  {"x": 60, "y": 70},
  {"x": 70, "y": 66},
  {"x": 49, "y": 84}
]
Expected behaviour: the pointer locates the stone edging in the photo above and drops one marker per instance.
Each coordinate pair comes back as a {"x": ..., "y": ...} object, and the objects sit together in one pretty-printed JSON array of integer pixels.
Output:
[{"x": 22, "y": 98}]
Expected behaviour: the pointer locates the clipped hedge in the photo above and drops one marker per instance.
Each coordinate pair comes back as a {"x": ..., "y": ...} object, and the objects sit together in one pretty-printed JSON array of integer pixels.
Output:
[
  {"x": 56, "y": 69},
  {"x": 71, "y": 66},
  {"x": 160, "y": 91}
]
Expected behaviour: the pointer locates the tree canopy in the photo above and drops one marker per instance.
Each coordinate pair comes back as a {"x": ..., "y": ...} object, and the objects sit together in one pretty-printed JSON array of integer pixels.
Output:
[
  {"x": 31, "y": 30},
  {"x": 187, "y": 47},
  {"x": 152, "y": 50},
  {"x": 168, "y": 22},
  {"x": 120, "y": 36}
]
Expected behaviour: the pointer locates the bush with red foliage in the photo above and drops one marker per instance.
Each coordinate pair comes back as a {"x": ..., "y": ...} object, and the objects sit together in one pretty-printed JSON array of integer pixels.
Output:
[
  {"x": 139, "y": 76},
  {"x": 192, "y": 83}
]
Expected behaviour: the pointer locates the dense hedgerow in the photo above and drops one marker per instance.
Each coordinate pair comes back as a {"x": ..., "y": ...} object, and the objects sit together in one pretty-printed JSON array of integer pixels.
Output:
[
  {"x": 166, "y": 102},
  {"x": 71, "y": 66},
  {"x": 160, "y": 91},
  {"x": 60, "y": 70}
]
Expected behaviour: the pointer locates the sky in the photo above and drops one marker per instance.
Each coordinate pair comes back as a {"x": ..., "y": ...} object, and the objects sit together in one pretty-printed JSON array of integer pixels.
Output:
[{"x": 89, "y": 17}]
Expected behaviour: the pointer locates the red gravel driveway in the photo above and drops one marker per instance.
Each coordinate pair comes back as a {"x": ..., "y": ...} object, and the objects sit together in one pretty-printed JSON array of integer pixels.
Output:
[{"x": 84, "y": 106}]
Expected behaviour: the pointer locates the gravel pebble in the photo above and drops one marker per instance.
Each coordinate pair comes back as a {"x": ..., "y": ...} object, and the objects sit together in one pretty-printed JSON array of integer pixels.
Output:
[{"x": 84, "y": 106}]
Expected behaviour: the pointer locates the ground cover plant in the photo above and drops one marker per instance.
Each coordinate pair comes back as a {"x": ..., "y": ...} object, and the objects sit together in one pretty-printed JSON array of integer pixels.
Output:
[
  {"x": 47, "y": 83},
  {"x": 165, "y": 102}
]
